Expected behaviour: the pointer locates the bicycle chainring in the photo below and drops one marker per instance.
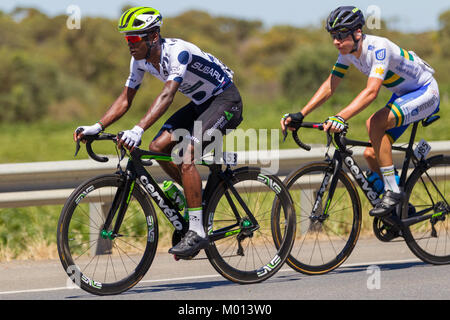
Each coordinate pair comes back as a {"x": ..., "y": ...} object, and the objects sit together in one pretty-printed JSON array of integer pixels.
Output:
[{"x": 383, "y": 231}]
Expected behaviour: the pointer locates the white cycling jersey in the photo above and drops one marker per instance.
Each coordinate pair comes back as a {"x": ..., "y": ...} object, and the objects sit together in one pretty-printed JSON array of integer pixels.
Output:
[
  {"x": 200, "y": 74},
  {"x": 402, "y": 71}
]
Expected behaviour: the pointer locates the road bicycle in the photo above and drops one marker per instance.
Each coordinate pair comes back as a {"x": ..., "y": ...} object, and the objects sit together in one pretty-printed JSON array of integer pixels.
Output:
[
  {"x": 329, "y": 211},
  {"x": 108, "y": 229}
]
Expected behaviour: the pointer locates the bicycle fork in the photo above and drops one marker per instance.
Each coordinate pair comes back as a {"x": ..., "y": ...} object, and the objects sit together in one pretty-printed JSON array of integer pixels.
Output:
[
  {"x": 119, "y": 205},
  {"x": 331, "y": 177}
]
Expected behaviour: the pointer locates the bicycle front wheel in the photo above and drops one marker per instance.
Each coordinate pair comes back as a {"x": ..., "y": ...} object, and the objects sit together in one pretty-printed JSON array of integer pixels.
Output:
[
  {"x": 428, "y": 194},
  {"x": 325, "y": 239},
  {"x": 245, "y": 252},
  {"x": 96, "y": 260}
]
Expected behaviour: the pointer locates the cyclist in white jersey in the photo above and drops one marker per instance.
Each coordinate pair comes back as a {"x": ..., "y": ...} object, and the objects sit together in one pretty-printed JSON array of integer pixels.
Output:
[
  {"x": 200, "y": 75},
  {"x": 215, "y": 104},
  {"x": 409, "y": 78}
]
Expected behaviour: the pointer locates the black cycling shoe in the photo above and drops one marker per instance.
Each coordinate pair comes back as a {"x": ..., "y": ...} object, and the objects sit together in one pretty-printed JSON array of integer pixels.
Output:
[
  {"x": 189, "y": 245},
  {"x": 388, "y": 204}
]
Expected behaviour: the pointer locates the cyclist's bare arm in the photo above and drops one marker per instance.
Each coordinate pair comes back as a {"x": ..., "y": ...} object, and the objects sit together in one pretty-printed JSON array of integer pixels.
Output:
[
  {"x": 160, "y": 104},
  {"x": 119, "y": 107},
  {"x": 324, "y": 93},
  {"x": 364, "y": 98}
]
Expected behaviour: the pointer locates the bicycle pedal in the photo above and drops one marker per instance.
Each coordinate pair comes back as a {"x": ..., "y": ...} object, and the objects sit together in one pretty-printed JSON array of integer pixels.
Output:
[{"x": 178, "y": 258}]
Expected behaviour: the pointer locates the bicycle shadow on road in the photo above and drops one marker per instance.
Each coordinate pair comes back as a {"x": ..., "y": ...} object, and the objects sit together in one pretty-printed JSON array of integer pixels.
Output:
[
  {"x": 169, "y": 287},
  {"x": 191, "y": 286},
  {"x": 188, "y": 286},
  {"x": 383, "y": 267}
]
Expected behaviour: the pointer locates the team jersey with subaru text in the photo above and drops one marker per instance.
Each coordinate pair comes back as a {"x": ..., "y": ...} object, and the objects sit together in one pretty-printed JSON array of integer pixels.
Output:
[
  {"x": 401, "y": 71},
  {"x": 200, "y": 74}
]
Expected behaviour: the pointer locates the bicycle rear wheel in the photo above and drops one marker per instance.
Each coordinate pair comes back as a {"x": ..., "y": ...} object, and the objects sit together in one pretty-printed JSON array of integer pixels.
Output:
[
  {"x": 96, "y": 260},
  {"x": 428, "y": 192},
  {"x": 246, "y": 253},
  {"x": 323, "y": 241}
]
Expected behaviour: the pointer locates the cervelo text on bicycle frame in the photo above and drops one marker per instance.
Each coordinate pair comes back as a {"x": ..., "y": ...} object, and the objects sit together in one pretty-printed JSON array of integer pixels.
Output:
[
  {"x": 166, "y": 206},
  {"x": 357, "y": 173}
]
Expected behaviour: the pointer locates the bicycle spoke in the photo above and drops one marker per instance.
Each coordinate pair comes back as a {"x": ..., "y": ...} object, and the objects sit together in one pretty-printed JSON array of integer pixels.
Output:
[
  {"x": 323, "y": 240},
  {"x": 428, "y": 194}
]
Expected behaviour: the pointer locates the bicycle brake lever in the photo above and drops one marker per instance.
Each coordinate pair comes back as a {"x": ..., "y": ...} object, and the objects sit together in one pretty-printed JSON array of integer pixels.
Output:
[
  {"x": 123, "y": 152},
  {"x": 329, "y": 139},
  {"x": 77, "y": 148}
]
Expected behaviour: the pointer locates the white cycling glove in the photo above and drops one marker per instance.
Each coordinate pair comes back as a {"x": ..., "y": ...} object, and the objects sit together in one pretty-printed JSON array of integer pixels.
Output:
[
  {"x": 132, "y": 137},
  {"x": 90, "y": 130}
]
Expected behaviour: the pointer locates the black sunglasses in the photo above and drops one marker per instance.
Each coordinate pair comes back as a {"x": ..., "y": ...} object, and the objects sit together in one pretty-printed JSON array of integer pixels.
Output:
[{"x": 340, "y": 35}]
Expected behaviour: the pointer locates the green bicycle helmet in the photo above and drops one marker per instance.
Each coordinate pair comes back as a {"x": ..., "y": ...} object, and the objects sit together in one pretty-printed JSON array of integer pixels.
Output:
[{"x": 139, "y": 19}]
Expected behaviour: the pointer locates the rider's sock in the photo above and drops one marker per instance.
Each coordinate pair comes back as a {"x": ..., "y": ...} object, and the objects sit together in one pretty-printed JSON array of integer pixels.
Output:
[
  {"x": 196, "y": 221},
  {"x": 390, "y": 182}
]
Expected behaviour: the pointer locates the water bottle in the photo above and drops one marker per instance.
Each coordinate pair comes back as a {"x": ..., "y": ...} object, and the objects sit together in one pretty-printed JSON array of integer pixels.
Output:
[
  {"x": 174, "y": 194},
  {"x": 376, "y": 181}
]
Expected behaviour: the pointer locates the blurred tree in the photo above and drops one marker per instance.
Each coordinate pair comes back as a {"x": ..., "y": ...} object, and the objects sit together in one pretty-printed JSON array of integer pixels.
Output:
[
  {"x": 49, "y": 70},
  {"x": 444, "y": 33},
  {"x": 307, "y": 69},
  {"x": 29, "y": 85}
]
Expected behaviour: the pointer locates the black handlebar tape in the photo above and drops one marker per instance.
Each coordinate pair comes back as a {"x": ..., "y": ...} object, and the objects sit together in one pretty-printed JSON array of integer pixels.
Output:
[
  {"x": 92, "y": 153},
  {"x": 305, "y": 125},
  {"x": 299, "y": 143}
]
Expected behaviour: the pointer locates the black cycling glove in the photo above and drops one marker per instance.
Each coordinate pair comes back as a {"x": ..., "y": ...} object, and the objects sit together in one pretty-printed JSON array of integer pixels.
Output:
[{"x": 296, "y": 119}]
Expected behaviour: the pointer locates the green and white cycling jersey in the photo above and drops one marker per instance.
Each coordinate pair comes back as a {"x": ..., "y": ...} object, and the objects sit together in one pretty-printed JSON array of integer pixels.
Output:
[
  {"x": 200, "y": 74},
  {"x": 401, "y": 71}
]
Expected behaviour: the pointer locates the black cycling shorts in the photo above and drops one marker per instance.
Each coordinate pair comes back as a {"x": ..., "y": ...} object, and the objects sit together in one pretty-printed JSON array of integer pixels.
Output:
[{"x": 220, "y": 112}]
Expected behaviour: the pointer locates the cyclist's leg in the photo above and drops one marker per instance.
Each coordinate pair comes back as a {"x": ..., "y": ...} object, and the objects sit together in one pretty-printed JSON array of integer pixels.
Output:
[
  {"x": 397, "y": 115},
  {"x": 378, "y": 124},
  {"x": 220, "y": 113},
  {"x": 371, "y": 124},
  {"x": 371, "y": 159},
  {"x": 382, "y": 121},
  {"x": 164, "y": 141},
  {"x": 164, "y": 144},
  {"x": 410, "y": 108}
]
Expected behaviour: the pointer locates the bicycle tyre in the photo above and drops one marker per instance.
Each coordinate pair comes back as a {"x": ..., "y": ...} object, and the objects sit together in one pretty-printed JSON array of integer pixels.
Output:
[
  {"x": 431, "y": 246},
  {"x": 79, "y": 232},
  {"x": 261, "y": 256},
  {"x": 327, "y": 237}
]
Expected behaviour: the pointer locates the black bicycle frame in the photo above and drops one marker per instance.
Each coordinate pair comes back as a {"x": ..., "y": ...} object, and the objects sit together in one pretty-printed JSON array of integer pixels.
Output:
[
  {"x": 371, "y": 195},
  {"x": 135, "y": 171},
  {"x": 357, "y": 173},
  {"x": 342, "y": 154}
]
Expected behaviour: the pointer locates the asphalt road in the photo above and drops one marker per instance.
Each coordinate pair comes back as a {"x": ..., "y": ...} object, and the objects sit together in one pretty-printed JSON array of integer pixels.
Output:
[{"x": 374, "y": 271}]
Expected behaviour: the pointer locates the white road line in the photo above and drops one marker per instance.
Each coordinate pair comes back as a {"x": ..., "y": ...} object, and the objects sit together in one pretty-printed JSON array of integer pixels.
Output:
[{"x": 202, "y": 277}]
